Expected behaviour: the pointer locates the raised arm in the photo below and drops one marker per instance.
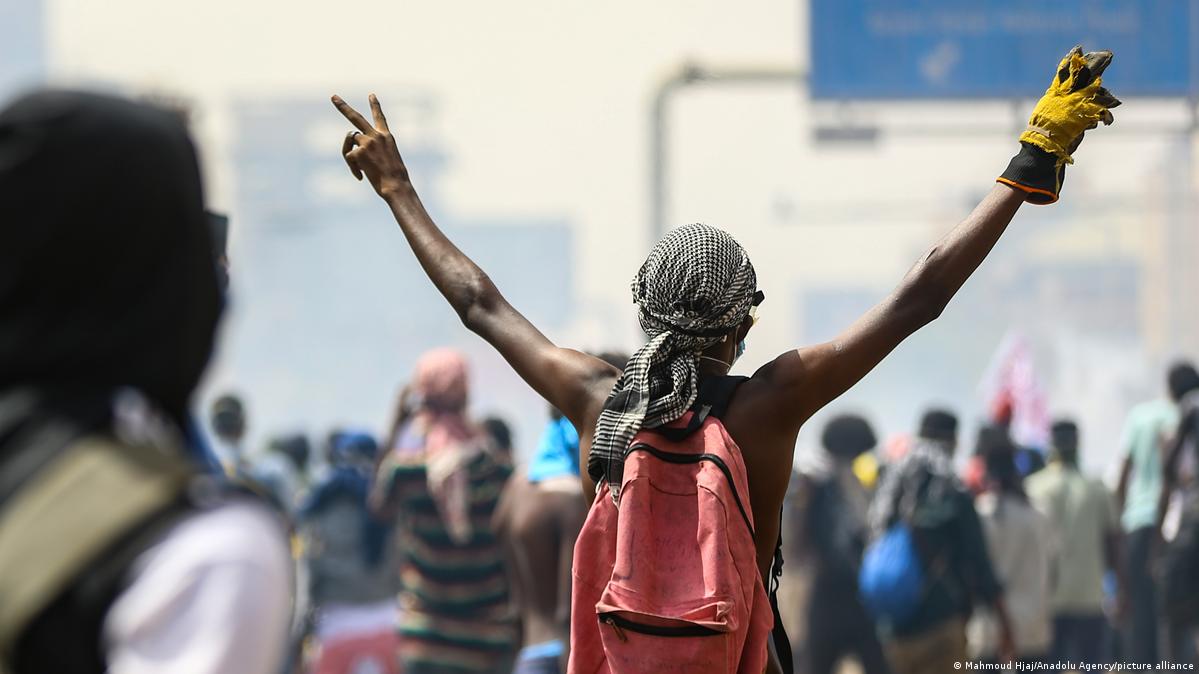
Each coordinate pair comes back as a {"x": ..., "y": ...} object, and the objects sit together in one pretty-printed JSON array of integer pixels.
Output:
[
  {"x": 831, "y": 368},
  {"x": 572, "y": 381},
  {"x": 1074, "y": 102}
]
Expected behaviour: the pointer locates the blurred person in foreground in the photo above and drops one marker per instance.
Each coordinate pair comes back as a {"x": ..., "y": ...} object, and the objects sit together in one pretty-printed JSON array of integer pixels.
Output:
[
  {"x": 1178, "y": 522},
  {"x": 831, "y": 532},
  {"x": 440, "y": 483},
  {"x": 923, "y": 494},
  {"x": 1020, "y": 545},
  {"x": 351, "y": 580},
  {"x": 1086, "y": 530},
  {"x": 116, "y": 555},
  {"x": 696, "y": 293},
  {"x": 538, "y": 518},
  {"x": 1146, "y": 430}
]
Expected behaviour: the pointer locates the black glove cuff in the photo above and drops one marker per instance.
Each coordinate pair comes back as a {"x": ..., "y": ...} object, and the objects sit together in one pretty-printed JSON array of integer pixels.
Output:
[{"x": 1035, "y": 172}]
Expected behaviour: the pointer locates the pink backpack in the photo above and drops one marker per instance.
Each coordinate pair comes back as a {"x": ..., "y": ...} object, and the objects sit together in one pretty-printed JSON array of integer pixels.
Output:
[{"x": 667, "y": 581}]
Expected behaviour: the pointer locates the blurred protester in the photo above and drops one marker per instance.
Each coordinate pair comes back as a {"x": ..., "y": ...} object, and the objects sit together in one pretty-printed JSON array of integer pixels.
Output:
[
  {"x": 1020, "y": 545},
  {"x": 538, "y": 518},
  {"x": 696, "y": 294},
  {"x": 282, "y": 470},
  {"x": 501, "y": 437},
  {"x": 116, "y": 554},
  {"x": 923, "y": 494},
  {"x": 228, "y": 419},
  {"x": 1138, "y": 493},
  {"x": 351, "y": 582},
  {"x": 831, "y": 533},
  {"x": 1087, "y": 538},
  {"x": 1028, "y": 460},
  {"x": 441, "y": 481},
  {"x": 1179, "y": 564}
]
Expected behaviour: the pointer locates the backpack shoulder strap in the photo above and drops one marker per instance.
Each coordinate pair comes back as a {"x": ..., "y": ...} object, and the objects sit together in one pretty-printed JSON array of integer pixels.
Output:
[
  {"x": 782, "y": 643},
  {"x": 45, "y": 541},
  {"x": 712, "y": 400},
  {"x": 715, "y": 394},
  {"x": 718, "y": 393}
]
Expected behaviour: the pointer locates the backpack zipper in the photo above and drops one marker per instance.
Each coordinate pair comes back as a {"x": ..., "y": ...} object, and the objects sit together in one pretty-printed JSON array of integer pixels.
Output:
[
  {"x": 675, "y": 457},
  {"x": 619, "y": 624}
]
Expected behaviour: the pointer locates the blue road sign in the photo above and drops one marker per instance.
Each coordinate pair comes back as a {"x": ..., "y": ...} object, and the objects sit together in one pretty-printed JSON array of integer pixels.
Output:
[{"x": 994, "y": 48}]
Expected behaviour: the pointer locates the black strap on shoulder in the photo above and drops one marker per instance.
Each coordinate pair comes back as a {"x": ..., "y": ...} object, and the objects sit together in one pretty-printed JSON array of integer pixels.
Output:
[
  {"x": 712, "y": 400},
  {"x": 782, "y": 643},
  {"x": 718, "y": 392}
]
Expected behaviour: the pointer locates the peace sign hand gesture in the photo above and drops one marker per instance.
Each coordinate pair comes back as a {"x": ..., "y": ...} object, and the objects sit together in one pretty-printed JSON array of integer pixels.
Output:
[{"x": 371, "y": 150}]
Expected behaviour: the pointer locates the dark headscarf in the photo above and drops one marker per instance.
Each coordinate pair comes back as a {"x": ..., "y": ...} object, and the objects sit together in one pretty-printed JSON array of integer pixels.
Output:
[{"x": 107, "y": 277}]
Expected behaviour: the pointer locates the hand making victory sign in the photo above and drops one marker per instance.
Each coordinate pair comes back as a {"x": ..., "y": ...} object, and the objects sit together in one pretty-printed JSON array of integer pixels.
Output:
[
  {"x": 572, "y": 381},
  {"x": 371, "y": 149}
]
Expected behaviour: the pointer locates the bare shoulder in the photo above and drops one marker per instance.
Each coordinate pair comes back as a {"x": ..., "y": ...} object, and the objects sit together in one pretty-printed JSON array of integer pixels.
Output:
[
  {"x": 594, "y": 392},
  {"x": 765, "y": 426},
  {"x": 775, "y": 396}
]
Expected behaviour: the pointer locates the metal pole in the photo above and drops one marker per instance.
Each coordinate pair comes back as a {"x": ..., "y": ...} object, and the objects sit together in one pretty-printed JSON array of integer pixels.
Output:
[
  {"x": 659, "y": 159},
  {"x": 691, "y": 74}
]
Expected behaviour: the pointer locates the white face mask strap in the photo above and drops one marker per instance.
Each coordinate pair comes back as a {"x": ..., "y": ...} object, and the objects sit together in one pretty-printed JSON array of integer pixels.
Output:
[{"x": 727, "y": 366}]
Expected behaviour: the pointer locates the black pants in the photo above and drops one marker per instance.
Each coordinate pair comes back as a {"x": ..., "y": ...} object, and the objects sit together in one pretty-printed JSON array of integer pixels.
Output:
[
  {"x": 1079, "y": 638},
  {"x": 1140, "y": 645},
  {"x": 1179, "y": 585},
  {"x": 838, "y": 626}
]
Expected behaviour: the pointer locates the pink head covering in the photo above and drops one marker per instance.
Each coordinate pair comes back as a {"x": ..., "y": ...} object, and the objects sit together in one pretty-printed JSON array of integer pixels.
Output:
[{"x": 442, "y": 382}]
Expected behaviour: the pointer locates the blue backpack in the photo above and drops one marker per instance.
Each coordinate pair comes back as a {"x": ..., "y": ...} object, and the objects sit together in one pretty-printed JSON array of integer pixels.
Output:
[{"x": 891, "y": 579}]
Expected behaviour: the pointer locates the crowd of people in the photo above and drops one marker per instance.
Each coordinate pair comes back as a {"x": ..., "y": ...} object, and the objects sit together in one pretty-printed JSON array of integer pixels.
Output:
[
  {"x": 1040, "y": 564},
  {"x": 431, "y": 551},
  {"x": 646, "y": 533}
]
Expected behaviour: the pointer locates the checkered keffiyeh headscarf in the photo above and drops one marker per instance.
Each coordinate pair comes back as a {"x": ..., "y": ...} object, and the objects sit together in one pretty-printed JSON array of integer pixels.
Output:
[{"x": 696, "y": 285}]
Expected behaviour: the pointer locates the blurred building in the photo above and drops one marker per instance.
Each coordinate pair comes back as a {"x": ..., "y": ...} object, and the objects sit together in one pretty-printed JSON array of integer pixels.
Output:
[{"x": 22, "y": 45}]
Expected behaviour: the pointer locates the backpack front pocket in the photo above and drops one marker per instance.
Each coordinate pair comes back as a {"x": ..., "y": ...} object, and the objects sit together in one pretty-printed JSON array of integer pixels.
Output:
[{"x": 637, "y": 644}]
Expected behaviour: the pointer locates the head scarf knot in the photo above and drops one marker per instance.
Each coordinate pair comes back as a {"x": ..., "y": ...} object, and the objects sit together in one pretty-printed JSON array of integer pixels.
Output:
[{"x": 694, "y": 288}]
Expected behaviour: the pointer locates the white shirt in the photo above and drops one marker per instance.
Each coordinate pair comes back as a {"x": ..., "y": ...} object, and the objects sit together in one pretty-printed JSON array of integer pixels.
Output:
[
  {"x": 1019, "y": 540},
  {"x": 212, "y": 597}
]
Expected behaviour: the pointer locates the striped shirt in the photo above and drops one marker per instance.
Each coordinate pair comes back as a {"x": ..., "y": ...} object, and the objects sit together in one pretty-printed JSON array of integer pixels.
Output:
[{"x": 455, "y": 613}]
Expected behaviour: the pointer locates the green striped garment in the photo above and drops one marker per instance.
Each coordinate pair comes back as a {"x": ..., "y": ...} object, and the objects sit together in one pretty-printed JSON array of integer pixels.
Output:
[{"x": 454, "y": 597}]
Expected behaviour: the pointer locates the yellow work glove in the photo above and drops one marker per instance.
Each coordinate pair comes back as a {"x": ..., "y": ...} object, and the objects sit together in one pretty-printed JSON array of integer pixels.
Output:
[{"x": 1075, "y": 102}]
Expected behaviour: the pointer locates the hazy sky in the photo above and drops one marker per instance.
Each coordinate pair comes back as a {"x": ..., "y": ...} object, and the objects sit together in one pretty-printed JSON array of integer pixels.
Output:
[{"x": 544, "y": 109}]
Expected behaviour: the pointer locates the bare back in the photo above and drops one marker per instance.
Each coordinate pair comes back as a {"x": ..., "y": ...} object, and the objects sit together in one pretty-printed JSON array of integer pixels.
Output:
[{"x": 539, "y": 524}]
